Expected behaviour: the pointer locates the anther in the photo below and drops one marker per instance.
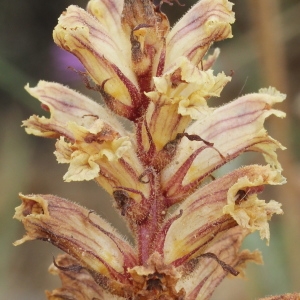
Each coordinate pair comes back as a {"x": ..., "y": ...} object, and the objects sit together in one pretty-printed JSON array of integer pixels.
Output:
[
  {"x": 195, "y": 137},
  {"x": 122, "y": 198},
  {"x": 145, "y": 173},
  {"x": 241, "y": 196},
  {"x": 71, "y": 268},
  {"x": 225, "y": 266},
  {"x": 90, "y": 212}
]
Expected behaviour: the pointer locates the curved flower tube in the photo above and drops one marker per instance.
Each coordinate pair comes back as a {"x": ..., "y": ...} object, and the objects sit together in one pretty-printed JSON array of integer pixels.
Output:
[{"x": 234, "y": 128}]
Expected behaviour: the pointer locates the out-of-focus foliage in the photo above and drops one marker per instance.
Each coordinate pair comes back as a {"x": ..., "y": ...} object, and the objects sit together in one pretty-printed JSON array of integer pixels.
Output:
[{"x": 27, "y": 53}]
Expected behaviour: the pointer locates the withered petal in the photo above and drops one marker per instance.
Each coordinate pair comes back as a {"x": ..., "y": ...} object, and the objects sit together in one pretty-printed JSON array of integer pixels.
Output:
[
  {"x": 76, "y": 284},
  {"x": 77, "y": 231},
  {"x": 244, "y": 206},
  {"x": 207, "y": 273}
]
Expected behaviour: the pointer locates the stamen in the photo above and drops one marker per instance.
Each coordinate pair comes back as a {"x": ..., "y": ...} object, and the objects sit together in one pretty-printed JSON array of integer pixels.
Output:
[
  {"x": 90, "y": 212},
  {"x": 122, "y": 198},
  {"x": 145, "y": 173},
  {"x": 91, "y": 115},
  {"x": 195, "y": 137},
  {"x": 225, "y": 266},
  {"x": 170, "y": 2},
  {"x": 241, "y": 196},
  {"x": 71, "y": 268}
]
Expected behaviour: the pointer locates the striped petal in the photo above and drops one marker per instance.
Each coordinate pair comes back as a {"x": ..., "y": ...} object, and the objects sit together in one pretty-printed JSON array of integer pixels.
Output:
[
  {"x": 206, "y": 273},
  {"x": 206, "y": 22},
  {"x": 233, "y": 129},
  {"x": 79, "y": 31},
  {"x": 107, "y": 59},
  {"x": 77, "y": 283},
  {"x": 109, "y": 15},
  {"x": 82, "y": 234},
  {"x": 202, "y": 216},
  {"x": 180, "y": 97},
  {"x": 90, "y": 139},
  {"x": 66, "y": 105}
]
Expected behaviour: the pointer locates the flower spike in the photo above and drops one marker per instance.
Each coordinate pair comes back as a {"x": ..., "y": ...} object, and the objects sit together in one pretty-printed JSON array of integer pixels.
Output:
[{"x": 186, "y": 230}]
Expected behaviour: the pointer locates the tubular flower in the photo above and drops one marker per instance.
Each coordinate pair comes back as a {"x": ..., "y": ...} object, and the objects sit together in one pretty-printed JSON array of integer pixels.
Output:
[{"x": 187, "y": 229}]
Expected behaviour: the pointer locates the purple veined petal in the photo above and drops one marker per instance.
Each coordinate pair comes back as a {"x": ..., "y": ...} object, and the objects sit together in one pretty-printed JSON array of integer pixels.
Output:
[
  {"x": 107, "y": 59},
  {"x": 82, "y": 234},
  {"x": 181, "y": 96},
  {"x": 65, "y": 105},
  {"x": 206, "y": 273},
  {"x": 78, "y": 26},
  {"x": 206, "y": 22},
  {"x": 233, "y": 129},
  {"x": 147, "y": 27},
  {"x": 77, "y": 282},
  {"x": 109, "y": 15},
  {"x": 204, "y": 217},
  {"x": 210, "y": 59},
  {"x": 90, "y": 139}
]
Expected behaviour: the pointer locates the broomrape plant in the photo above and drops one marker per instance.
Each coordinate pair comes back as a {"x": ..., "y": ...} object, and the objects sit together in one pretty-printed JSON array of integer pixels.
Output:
[{"x": 187, "y": 234}]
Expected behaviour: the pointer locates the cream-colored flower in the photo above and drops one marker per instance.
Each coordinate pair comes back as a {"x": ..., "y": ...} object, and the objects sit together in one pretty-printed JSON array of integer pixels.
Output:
[
  {"x": 246, "y": 208},
  {"x": 206, "y": 214},
  {"x": 180, "y": 96},
  {"x": 232, "y": 129},
  {"x": 90, "y": 139},
  {"x": 206, "y": 22},
  {"x": 124, "y": 45},
  {"x": 38, "y": 212},
  {"x": 100, "y": 262}
]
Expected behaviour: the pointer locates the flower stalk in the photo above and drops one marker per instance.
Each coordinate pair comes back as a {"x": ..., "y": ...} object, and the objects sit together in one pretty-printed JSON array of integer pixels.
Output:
[{"x": 187, "y": 230}]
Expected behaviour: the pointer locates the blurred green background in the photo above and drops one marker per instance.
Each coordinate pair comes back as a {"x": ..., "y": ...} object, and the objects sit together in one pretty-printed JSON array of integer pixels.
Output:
[{"x": 265, "y": 51}]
